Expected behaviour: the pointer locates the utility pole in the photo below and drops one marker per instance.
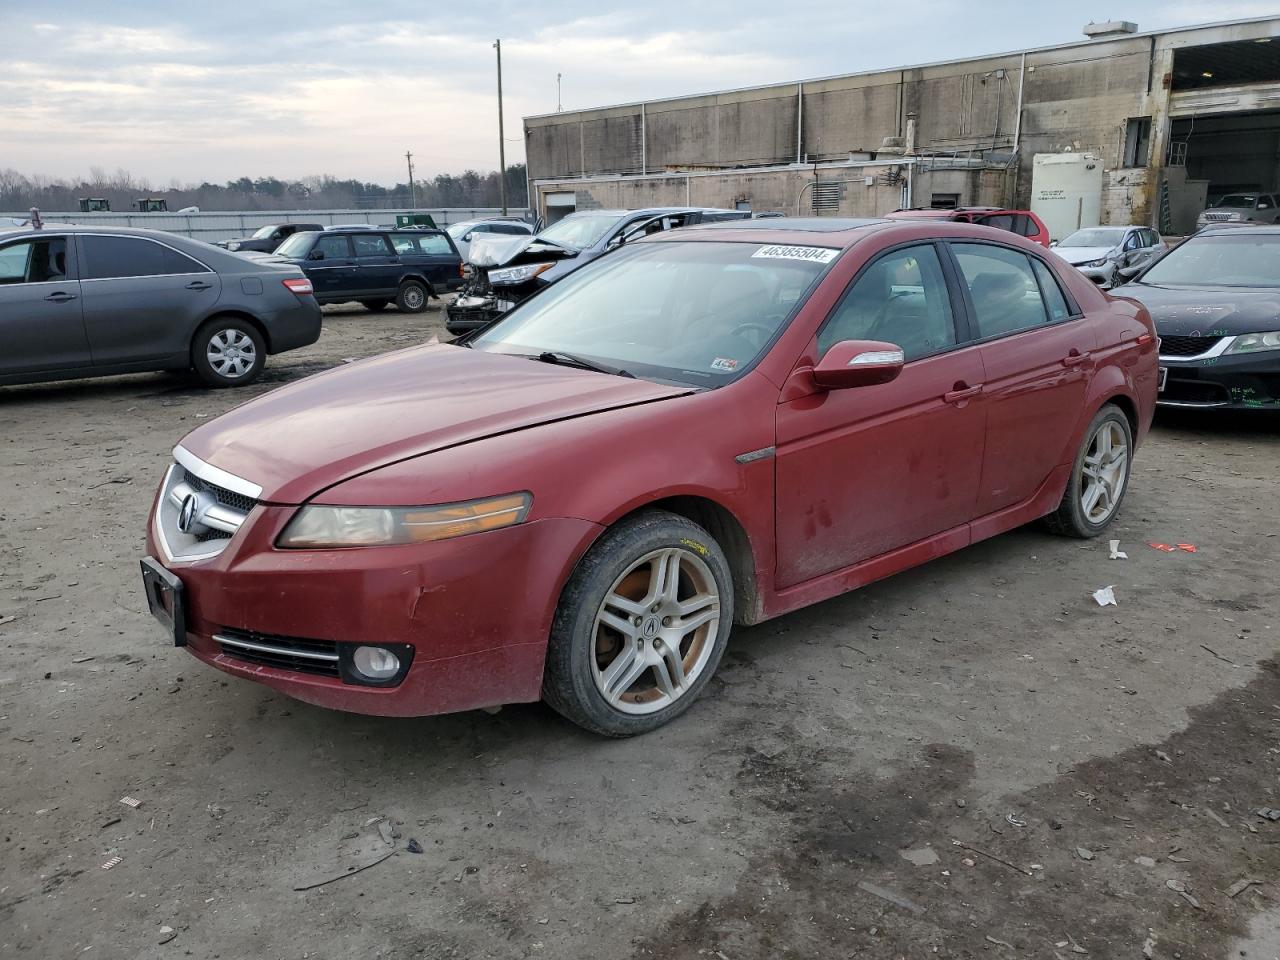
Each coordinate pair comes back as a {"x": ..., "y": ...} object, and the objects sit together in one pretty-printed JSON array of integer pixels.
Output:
[
  {"x": 559, "y": 108},
  {"x": 502, "y": 145},
  {"x": 413, "y": 193}
]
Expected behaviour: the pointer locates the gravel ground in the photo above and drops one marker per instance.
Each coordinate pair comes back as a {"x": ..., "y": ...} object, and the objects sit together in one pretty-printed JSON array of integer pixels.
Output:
[{"x": 970, "y": 759}]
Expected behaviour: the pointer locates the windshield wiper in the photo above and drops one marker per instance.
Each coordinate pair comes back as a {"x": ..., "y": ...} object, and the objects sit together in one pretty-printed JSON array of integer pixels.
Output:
[{"x": 573, "y": 360}]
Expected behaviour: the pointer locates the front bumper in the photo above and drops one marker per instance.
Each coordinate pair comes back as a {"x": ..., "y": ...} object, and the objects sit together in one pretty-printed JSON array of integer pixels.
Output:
[
  {"x": 475, "y": 610},
  {"x": 1239, "y": 382},
  {"x": 1099, "y": 275}
]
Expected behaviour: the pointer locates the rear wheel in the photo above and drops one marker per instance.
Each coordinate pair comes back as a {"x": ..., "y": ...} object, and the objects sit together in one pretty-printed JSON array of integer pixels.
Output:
[
  {"x": 228, "y": 352},
  {"x": 641, "y": 626},
  {"x": 373, "y": 306},
  {"x": 412, "y": 297},
  {"x": 1099, "y": 477}
]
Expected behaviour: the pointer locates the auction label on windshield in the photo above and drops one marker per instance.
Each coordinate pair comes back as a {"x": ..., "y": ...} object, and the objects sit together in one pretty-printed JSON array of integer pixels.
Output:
[{"x": 812, "y": 254}]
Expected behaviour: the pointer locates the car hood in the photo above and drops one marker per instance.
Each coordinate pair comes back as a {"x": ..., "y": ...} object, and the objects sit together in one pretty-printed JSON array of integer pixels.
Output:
[
  {"x": 498, "y": 250},
  {"x": 302, "y": 438},
  {"x": 1078, "y": 255},
  {"x": 1201, "y": 310}
]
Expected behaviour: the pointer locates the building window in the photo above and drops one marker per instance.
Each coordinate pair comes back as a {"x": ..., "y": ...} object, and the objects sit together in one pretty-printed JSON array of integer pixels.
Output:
[
  {"x": 1137, "y": 141},
  {"x": 944, "y": 201},
  {"x": 742, "y": 205}
]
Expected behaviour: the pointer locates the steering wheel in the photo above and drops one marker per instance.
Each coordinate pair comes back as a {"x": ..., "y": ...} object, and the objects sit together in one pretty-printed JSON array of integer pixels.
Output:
[{"x": 763, "y": 329}]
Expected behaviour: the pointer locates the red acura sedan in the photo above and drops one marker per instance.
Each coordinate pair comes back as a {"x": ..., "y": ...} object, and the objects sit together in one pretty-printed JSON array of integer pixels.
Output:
[{"x": 711, "y": 426}]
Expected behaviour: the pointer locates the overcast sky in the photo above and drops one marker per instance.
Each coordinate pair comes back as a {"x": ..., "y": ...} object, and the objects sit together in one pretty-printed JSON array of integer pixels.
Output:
[{"x": 190, "y": 92}]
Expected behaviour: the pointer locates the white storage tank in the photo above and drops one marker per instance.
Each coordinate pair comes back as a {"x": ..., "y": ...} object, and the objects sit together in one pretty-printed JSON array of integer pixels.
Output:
[{"x": 1066, "y": 191}]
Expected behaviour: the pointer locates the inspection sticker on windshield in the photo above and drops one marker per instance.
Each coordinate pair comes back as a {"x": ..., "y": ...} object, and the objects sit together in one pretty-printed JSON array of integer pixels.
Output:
[
  {"x": 813, "y": 254},
  {"x": 724, "y": 363}
]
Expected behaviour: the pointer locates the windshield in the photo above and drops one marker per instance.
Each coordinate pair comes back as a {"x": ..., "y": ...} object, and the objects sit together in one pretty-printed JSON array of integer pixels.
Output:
[
  {"x": 579, "y": 232},
  {"x": 1220, "y": 260},
  {"x": 687, "y": 312},
  {"x": 1246, "y": 200},
  {"x": 456, "y": 230},
  {"x": 1094, "y": 237},
  {"x": 295, "y": 246},
  {"x": 263, "y": 232}
]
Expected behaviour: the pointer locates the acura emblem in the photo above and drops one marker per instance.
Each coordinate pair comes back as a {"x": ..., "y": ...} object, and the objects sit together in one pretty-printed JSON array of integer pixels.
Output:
[{"x": 187, "y": 515}]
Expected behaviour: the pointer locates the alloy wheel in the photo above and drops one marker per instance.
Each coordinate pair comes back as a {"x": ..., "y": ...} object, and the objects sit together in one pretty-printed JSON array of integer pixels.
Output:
[
  {"x": 231, "y": 353},
  {"x": 413, "y": 298},
  {"x": 1104, "y": 472},
  {"x": 655, "y": 631}
]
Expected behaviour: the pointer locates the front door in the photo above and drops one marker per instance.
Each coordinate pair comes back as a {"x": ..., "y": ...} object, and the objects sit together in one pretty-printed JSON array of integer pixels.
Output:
[
  {"x": 1036, "y": 351},
  {"x": 332, "y": 271},
  {"x": 142, "y": 298},
  {"x": 378, "y": 269},
  {"x": 41, "y": 322},
  {"x": 863, "y": 471}
]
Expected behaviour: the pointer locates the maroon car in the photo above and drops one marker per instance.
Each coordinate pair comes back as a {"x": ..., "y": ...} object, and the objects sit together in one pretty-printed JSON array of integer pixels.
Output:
[
  {"x": 711, "y": 426},
  {"x": 1022, "y": 222}
]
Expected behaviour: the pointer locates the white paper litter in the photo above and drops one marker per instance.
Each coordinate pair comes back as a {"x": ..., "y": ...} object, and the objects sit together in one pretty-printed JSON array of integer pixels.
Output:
[
  {"x": 1116, "y": 552},
  {"x": 1106, "y": 596}
]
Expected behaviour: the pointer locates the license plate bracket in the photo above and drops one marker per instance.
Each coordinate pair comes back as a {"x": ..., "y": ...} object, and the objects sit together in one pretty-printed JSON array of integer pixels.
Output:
[{"x": 165, "y": 600}]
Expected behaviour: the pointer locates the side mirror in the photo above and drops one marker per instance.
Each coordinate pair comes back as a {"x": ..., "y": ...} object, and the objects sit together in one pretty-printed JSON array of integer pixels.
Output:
[
  {"x": 1053, "y": 243},
  {"x": 858, "y": 363},
  {"x": 315, "y": 255},
  {"x": 468, "y": 236}
]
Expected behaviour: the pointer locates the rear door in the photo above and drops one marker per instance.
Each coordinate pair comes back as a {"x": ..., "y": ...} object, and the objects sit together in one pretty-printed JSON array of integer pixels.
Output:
[
  {"x": 142, "y": 298},
  {"x": 864, "y": 471},
  {"x": 439, "y": 260},
  {"x": 1036, "y": 351},
  {"x": 41, "y": 320},
  {"x": 377, "y": 268}
]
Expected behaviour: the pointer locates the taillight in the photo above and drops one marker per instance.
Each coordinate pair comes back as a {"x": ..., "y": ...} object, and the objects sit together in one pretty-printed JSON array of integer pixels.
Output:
[{"x": 299, "y": 285}]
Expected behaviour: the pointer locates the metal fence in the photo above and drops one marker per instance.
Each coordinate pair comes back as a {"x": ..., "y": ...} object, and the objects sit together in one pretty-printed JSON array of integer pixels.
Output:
[{"x": 225, "y": 224}]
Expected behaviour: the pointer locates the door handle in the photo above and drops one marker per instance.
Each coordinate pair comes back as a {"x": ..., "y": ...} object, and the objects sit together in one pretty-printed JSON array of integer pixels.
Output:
[
  {"x": 1075, "y": 358},
  {"x": 60, "y": 297},
  {"x": 198, "y": 285},
  {"x": 961, "y": 392}
]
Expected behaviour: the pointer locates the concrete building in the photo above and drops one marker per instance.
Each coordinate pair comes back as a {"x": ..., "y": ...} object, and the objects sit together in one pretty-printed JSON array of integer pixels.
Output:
[{"x": 1174, "y": 118}]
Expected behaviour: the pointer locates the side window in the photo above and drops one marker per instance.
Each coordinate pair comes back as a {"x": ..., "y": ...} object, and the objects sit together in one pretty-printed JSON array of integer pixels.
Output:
[
  {"x": 34, "y": 261},
  {"x": 1006, "y": 297},
  {"x": 901, "y": 298},
  {"x": 333, "y": 247},
  {"x": 1001, "y": 221},
  {"x": 434, "y": 245},
  {"x": 1024, "y": 226},
  {"x": 508, "y": 229},
  {"x": 371, "y": 245},
  {"x": 1054, "y": 301},
  {"x": 403, "y": 243},
  {"x": 114, "y": 257},
  {"x": 1133, "y": 241}
]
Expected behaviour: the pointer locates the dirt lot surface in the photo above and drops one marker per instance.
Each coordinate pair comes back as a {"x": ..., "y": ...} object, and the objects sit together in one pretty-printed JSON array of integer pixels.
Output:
[{"x": 970, "y": 759}]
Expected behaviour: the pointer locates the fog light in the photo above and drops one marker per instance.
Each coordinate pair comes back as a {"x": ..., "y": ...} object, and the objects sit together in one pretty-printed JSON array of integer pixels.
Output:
[{"x": 375, "y": 663}]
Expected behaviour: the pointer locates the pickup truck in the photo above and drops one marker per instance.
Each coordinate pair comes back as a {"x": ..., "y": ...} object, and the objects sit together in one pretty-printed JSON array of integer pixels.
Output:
[
  {"x": 376, "y": 267},
  {"x": 266, "y": 239}
]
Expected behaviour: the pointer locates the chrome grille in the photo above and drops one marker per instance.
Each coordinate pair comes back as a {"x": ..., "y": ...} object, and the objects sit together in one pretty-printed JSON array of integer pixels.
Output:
[
  {"x": 1216, "y": 216},
  {"x": 285, "y": 653},
  {"x": 222, "y": 504}
]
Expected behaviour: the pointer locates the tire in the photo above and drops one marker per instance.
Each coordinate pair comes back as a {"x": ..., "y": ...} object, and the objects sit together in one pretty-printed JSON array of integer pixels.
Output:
[
  {"x": 228, "y": 352},
  {"x": 412, "y": 297},
  {"x": 1094, "y": 469},
  {"x": 373, "y": 306},
  {"x": 620, "y": 583}
]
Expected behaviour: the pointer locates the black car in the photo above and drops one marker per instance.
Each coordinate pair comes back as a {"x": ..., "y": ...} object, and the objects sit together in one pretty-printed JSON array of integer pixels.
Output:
[
  {"x": 505, "y": 270},
  {"x": 376, "y": 267},
  {"x": 266, "y": 239},
  {"x": 91, "y": 301},
  {"x": 1215, "y": 299}
]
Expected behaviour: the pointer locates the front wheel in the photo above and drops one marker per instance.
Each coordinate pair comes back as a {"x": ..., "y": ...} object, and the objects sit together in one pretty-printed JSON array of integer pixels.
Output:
[
  {"x": 1099, "y": 477},
  {"x": 641, "y": 626},
  {"x": 227, "y": 352},
  {"x": 412, "y": 297}
]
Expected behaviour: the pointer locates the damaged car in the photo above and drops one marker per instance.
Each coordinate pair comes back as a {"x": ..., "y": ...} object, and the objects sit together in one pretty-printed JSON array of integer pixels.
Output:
[
  {"x": 1110, "y": 255},
  {"x": 502, "y": 271}
]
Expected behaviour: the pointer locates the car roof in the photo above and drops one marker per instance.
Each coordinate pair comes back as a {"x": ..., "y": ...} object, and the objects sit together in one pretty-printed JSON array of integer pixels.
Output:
[
  {"x": 52, "y": 227},
  {"x": 838, "y": 232},
  {"x": 1265, "y": 229},
  {"x": 654, "y": 211}
]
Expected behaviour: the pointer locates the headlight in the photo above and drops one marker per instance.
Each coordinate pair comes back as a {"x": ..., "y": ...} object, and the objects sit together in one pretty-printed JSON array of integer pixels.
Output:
[
  {"x": 519, "y": 274},
  {"x": 1253, "y": 342},
  {"x": 233, "y": 246},
  {"x": 318, "y": 527},
  {"x": 1098, "y": 263}
]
